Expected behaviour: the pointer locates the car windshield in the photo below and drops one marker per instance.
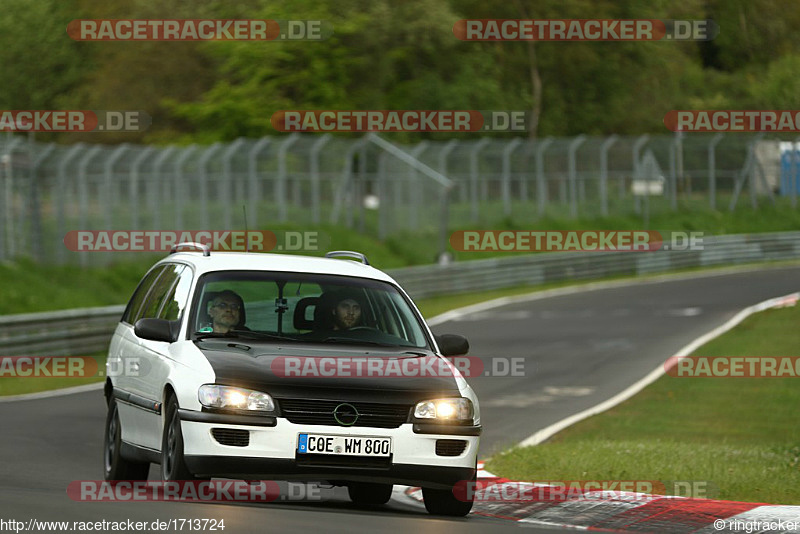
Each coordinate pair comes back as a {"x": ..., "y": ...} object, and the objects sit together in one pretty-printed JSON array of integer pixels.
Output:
[{"x": 311, "y": 308}]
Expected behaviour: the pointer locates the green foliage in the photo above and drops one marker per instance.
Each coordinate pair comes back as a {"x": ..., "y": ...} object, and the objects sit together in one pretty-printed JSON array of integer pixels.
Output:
[{"x": 397, "y": 55}]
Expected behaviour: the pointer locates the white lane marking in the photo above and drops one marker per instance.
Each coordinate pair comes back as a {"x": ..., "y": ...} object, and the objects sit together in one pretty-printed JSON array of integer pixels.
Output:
[
  {"x": 53, "y": 393},
  {"x": 496, "y": 316},
  {"x": 632, "y": 390},
  {"x": 487, "y": 305},
  {"x": 569, "y": 391},
  {"x": 685, "y": 312},
  {"x": 524, "y": 400},
  {"x": 594, "y": 286}
]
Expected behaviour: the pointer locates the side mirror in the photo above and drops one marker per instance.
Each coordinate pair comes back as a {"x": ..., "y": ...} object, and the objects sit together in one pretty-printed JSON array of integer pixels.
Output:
[
  {"x": 157, "y": 329},
  {"x": 452, "y": 344}
]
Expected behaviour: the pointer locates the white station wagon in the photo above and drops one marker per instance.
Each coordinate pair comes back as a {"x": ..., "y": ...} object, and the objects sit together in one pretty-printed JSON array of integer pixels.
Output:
[{"x": 278, "y": 367}]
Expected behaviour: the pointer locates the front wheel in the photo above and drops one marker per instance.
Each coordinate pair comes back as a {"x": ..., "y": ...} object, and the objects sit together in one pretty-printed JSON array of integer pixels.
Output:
[
  {"x": 444, "y": 502},
  {"x": 173, "y": 466},
  {"x": 115, "y": 466},
  {"x": 364, "y": 493}
]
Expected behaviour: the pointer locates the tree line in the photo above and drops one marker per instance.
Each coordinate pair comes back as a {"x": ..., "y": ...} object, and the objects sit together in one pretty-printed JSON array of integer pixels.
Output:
[{"x": 391, "y": 54}]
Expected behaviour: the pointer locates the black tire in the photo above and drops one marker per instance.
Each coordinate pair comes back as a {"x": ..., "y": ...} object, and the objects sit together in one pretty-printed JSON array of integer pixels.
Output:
[
  {"x": 115, "y": 467},
  {"x": 173, "y": 466},
  {"x": 444, "y": 502},
  {"x": 369, "y": 494}
]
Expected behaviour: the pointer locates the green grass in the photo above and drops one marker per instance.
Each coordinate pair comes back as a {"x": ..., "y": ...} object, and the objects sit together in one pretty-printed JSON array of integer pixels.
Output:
[
  {"x": 739, "y": 434},
  {"x": 32, "y": 384},
  {"x": 30, "y": 287}
]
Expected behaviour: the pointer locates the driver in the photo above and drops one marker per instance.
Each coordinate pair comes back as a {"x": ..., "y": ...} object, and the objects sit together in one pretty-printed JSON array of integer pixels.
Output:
[
  {"x": 225, "y": 311},
  {"x": 346, "y": 312}
]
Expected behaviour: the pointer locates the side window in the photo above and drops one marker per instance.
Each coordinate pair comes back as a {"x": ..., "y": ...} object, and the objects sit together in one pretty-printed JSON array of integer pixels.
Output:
[
  {"x": 161, "y": 288},
  {"x": 131, "y": 314},
  {"x": 175, "y": 302}
]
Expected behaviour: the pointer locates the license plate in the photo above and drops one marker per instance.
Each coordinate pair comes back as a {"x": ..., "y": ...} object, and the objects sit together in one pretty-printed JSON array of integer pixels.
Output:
[{"x": 344, "y": 445}]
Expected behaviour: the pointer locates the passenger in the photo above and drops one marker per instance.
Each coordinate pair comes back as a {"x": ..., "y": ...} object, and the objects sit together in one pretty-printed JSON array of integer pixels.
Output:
[{"x": 346, "y": 312}]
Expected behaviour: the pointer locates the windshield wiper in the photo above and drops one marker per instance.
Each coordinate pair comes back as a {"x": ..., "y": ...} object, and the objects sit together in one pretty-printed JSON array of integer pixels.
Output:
[
  {"x": 206, "y": 335},
  {"x": 246, "y": 334},
  {"x": 352, "y": 341},
  {"x": 262, "y": 335}
]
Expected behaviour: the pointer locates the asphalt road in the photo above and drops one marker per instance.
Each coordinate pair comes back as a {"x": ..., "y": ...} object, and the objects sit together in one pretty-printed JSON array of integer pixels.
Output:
[{"x": 578, "y": 350}]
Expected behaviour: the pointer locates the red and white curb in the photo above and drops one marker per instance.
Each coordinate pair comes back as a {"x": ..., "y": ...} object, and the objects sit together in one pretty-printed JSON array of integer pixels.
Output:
[{"x": 632, "y": 512}]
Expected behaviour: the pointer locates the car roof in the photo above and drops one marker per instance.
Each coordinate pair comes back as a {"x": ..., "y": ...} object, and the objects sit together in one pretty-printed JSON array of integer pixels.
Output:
[{"x": 259, "y": 261}]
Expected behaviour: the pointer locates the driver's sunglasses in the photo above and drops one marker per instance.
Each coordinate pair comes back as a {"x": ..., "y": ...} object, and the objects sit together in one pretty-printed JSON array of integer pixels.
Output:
[{"x": 227, "y": 306}]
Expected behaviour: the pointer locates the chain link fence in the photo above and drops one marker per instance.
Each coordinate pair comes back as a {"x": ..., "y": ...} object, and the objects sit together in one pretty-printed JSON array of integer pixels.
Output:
[{"x": 369, "y": 184}]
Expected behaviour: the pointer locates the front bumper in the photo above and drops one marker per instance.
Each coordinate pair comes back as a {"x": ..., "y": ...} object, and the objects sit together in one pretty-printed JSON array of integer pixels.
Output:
[{"x": 272, "y": 454}]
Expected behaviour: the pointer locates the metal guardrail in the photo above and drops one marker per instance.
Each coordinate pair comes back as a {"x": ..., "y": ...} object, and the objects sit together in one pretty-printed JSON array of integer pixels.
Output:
[{"x": 88, "y": 330}]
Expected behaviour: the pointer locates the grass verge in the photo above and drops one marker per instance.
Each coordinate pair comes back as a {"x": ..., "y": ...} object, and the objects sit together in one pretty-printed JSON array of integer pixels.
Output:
[{"x": 736, "y": 434}]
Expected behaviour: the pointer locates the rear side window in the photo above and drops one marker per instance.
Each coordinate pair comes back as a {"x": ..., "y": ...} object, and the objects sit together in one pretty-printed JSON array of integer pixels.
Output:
[
  {"x": 162, "y": 288},
  {"x": 131, "y": 314},
  {"x": 175, "y": 302}
]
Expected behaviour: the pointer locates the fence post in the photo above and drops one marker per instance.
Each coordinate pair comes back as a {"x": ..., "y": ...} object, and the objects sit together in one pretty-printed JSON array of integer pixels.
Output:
[
  {"x": 541, "y": 184},
  {"x": 108, "y": 169},
  {"x": 8, "y": 162},
  {"x": 347, "y": 183},
  {"x": 443, "y": 155},
  {"x": 794, "y": 171},
  {"x": 415, "y": 196},
  {"x": 280, "y": 184},
  {"x": 604, "y": 148},
  {"x": 506, "y": 184},
  {"x": 35, "y": 205},
  {"x": 677, "y": 175},
  {"x": 573, "y": 179},
  {"x": 752, "y": 175},
  {"x": 133, "y": 184},
  {"x": 712, "y": 170},
  {"x": 254, "y": 189},
  {"x": 315, "y": 150},
  {"x": 83, "y": 191},
  {"x": 155, "y": 185},
  {"x": 227, "y": 182},
  {"x": 62, "y": 186},
  {"x": 383, "y": 197},
  {"x": 178, "y": 186},
  {"x": 637, "y": 147},
  {"x": 473, "y": 176}
]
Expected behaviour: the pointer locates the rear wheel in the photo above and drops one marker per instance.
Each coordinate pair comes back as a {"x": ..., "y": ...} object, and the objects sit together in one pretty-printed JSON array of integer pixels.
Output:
[
  {"x": 115, "y": 466},
  {"x": 367, "y": 493},
  {"x": 173, "y": 466}
]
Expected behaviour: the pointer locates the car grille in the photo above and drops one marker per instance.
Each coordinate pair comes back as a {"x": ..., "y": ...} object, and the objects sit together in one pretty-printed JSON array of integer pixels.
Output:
[
  {"x": 320, "y": 412},
  {"x": 231, "y": 437},
  {"x": 352, "y": 462},
  {"x": 450, "y": 447}
]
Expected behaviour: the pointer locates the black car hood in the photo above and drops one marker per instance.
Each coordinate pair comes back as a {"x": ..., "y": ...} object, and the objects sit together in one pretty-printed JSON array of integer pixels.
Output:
[{"x": 259, "y": 366}]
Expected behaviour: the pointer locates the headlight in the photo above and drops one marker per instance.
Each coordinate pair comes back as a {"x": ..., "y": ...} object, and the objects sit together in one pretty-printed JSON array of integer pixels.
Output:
[
  {"x": 215, "y": 396},
  {"x": 454, "y": 409}
]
